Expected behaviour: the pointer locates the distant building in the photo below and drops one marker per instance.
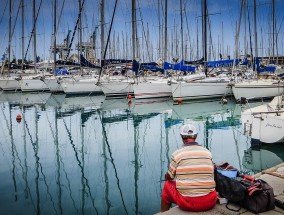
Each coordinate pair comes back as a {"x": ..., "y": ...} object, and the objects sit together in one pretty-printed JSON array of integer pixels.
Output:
[{"x": 273, "y": 60}]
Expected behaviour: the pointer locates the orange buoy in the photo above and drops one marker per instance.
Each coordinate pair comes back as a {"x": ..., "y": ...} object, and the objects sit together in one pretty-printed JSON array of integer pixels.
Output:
[
  {"x": 129, "y": 96},
  {"x": 19, "y": 118},
  {"x": 179, "y": 101}
]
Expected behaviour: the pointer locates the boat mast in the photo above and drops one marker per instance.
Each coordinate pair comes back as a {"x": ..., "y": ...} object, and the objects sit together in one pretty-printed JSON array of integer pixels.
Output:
[
  {"x": 54, "y": 39},
  {"x": 34, "y": 33},
  {"x": 181, "y": 29},
  {"x": 166, "y": 30},
  {"x": 10, "y": 35},
  {"x": 273, "y": 28},
  {"x": 245, "y": 22},
  {"x": 197, "y": 41},
  {"x": 255, "y": 35},
  {"x": 23, "y": 34},
  {"x": 223, "y": 51},
  {"x": 104, "y": 56},
  {"x": 102, "y": 28},
  {"x": 159, "y": 21},
  {"x": 237, "y": 36},
  {"x": 80, "y": 33},
  {"x": 133, "y": 28},
  {"x": 204, "y": 25}
]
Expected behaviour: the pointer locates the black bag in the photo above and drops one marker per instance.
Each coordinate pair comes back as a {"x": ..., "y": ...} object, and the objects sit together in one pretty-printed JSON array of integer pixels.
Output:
[
  {"x": 254, "y": 195},
  {"x": 230, "y": 188},
  {"x": 259, "y": 197}
]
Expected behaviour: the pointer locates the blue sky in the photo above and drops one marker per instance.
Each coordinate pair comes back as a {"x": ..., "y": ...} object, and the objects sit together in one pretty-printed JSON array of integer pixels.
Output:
[{"x": 225, "y": 11}]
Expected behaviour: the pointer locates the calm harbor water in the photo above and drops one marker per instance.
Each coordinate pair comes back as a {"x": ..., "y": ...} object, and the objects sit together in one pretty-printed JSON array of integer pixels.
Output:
[{"x": 88, "y": 155}]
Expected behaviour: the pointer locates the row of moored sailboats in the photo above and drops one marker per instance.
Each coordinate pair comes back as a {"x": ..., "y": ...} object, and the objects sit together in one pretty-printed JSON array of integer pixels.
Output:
[{"x": 179, "y": 87}]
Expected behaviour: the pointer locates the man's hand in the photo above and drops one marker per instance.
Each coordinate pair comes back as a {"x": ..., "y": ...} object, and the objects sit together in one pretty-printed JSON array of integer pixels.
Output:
[{"x": 168, "y": 177}]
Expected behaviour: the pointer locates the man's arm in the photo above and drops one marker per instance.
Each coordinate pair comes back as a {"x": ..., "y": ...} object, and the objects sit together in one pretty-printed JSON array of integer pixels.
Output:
[{"x": 168, "y": 177}]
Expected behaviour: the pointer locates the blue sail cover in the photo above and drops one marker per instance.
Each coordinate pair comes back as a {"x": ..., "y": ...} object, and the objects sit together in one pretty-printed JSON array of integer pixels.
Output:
[
  {"x": 153, "y": 66},
  {"x": 222, "y": 63},
  {"x": 179, "y": 66},
  {"x": 62, "y": 71},
  {"x": 260, "y": 68}
]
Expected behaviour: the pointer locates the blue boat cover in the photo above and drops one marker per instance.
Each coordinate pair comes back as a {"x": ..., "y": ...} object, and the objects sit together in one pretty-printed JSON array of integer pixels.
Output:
[
  {"x": 179, "y": 66},
  {"x": 62, "y": 71},
  {"x": 263, "y": 68}
]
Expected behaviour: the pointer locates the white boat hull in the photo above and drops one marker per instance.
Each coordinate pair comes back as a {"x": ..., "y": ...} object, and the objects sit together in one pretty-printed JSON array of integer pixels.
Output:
[
  {"x": 257, "y": 89},
  {"x": 9, "y": 84},
  {"x": 33, "y": 85},
  {"x": 80, "y": 86},
  {"x": 117, "y": 89},
  {"x": 264, "y": 123},
  {"x": 200, "y": 90},
  {"x": 53, "y": 84},
  {"x": 146, "y": 90}
]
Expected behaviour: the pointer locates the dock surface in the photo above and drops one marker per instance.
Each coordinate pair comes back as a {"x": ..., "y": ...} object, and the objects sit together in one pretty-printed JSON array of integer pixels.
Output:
[{"x": 273, "y": 176}]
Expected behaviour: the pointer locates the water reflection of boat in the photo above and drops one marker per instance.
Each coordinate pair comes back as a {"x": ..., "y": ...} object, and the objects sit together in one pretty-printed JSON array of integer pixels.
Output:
[
  {"x": 111, "y": 104},
  {"x": 156, "y": 105},
  {"x": 215, "y": 113},
  {"x": 56, "y": 100},
  {"x": 77, "y": 102},
  {"x": 34, "y": 98},
  {"x": 10, "y": 97},
  {"x": 266, "y": 156},
  {"x": 201, "y": 109},
  {"x": 25, "y": 99}
]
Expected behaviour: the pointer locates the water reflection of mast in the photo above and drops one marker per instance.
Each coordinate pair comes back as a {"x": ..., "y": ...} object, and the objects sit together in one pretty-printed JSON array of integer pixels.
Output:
[
  {"x": 35, "y": 147},
  {"x": 84, "y": 179},
  {"x": 58, "y": 164},
  {"x": 59, "y": 158},
  {"x": 137, "y": 165},
  {"x": 38, "y": 165},
  {"x": 16, "y": 154},
  {"x": 83, "y": 165},
  {"x": 13, "y": 156},
  {"x": 27, "y": 190},
  {"x": 106, "y": 177},
  {"x": 112, "y": 161}
]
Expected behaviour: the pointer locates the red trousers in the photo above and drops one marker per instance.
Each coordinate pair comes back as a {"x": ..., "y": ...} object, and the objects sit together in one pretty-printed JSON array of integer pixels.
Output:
[{"x": 200, "y": 203}]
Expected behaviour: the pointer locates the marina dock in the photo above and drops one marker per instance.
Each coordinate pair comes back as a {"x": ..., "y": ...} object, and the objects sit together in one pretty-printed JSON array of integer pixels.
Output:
[{"x": 273, "y": 176}]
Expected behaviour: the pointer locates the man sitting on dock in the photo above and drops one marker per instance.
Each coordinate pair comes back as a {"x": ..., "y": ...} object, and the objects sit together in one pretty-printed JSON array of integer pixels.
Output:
[{"x": 192, "y": 168}]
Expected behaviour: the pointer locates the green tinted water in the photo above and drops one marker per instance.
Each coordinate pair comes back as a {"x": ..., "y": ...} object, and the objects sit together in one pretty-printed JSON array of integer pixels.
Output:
[{"x": 88, "y": 155}]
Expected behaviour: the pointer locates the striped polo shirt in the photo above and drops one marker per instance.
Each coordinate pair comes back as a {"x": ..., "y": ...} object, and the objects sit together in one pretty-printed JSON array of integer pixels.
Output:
[{"x": 194, "y": 171}]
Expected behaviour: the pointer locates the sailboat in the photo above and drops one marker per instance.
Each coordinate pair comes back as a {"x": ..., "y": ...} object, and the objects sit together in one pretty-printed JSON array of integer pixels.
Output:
[
  {"x": 11, "y": 81},
  {"x": 265, "y": 123},
  {"x": 209, "y": 87},
  {"x": 259, "y": 88}
]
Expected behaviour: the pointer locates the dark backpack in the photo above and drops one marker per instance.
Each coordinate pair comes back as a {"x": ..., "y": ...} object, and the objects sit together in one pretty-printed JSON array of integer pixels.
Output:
[{"x": 230, "y": 188}]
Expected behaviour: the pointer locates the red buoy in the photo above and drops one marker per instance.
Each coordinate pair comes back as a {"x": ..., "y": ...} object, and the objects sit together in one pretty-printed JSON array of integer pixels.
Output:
[
  {"x": 19, "y": 118},
  {"x": 179, "y": 101},
  {"x": 129, "y": 96},
  {"x": 129, "y": 102}
]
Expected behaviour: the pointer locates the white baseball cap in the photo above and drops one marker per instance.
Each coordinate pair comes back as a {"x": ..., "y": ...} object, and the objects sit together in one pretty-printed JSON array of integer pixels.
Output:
[{"x": 188, "y": 130}]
